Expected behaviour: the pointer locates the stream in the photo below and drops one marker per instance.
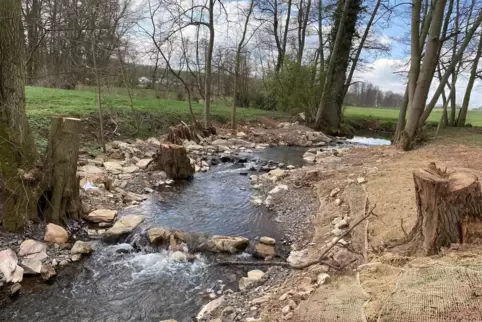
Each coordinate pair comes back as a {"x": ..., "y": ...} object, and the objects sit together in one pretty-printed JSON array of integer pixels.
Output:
[{"x": 117, "y": 283}]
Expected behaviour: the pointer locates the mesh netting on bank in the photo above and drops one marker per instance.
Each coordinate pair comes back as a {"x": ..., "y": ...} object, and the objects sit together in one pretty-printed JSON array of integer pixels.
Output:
[{"x": 439, "y": 293}]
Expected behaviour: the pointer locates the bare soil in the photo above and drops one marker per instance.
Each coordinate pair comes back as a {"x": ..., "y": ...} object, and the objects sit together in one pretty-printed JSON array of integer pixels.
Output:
[{"x": 389, "y": 184}]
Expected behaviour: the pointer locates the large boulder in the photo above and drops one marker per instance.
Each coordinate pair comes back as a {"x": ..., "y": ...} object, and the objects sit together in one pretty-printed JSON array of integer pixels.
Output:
[
  {"x": 158, "y": 234},
  {"x": 33, "y": 249},
  {"x": 81, "y": 247},
  {"x": 122, "y": 227},
  {"x": 9, "y": 268},
  {"x": 173, "y": 160},
  {"x": 102, "y": 215},
  {"x": 224, "y": 244},
  {"x": 55, "y": 234}
]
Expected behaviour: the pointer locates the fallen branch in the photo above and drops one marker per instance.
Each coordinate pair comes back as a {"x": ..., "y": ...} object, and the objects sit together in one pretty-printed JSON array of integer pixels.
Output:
[
  {"x": 267, "y": 263},
  {"x": 252, "y": 263},
  {"x": 318, "y": 260}
]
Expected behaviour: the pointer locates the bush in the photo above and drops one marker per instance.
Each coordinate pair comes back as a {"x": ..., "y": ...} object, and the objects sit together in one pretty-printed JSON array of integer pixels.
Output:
[{"x": 296, "y": 89}]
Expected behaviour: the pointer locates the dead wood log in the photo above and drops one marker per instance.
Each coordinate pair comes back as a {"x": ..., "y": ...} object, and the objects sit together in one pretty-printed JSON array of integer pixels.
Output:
[
  {"x": 173, "y": 160},
  {"x": 60, "y": 186},
  {"x": 449, "y": 210}
]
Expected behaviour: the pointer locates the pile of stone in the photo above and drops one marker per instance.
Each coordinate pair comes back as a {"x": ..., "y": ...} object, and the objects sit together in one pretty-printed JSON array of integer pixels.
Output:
[
  {"x": 35, "y": 257},
  {"x": 323, "y": 155}
]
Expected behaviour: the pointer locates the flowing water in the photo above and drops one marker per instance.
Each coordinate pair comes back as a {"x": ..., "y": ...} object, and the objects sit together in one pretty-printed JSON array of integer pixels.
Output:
[{"x": 119, "y": 284}]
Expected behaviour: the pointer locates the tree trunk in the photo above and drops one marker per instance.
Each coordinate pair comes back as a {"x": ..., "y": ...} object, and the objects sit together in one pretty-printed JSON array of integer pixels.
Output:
[
  {"x": 444, "y": 117},
  {"x": 18, "y": 178},
  {"x": 468, "y": 91},
  {"x": 240, "y": 46},
  {"x": 422, "y": 86},
  {"x": 99, "y": 92},
  {"x": 450, "y": 69},
  {"x": 61, "y": 185},
  {"x": 173, "y": 160},
  {"x": 402, "y": 116},
  {"x": 302, "y": 24},
  {"x": 328, "y": 115},
  {"x": 449, "y": 210},
  {"x": 360, "y": 47},
  {"x": 209, "y": 76}
]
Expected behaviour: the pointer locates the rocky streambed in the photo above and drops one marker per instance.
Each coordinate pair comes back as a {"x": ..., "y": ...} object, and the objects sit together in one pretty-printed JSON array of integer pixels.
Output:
[{"x": 151, "y": 245}]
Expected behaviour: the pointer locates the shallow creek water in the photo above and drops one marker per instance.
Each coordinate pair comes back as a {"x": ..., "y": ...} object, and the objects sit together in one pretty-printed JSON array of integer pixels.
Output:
[{"x": 119, "y": 284}]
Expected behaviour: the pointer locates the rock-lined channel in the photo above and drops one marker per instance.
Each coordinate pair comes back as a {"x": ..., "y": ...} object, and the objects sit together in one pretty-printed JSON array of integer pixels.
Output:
[
  {"x": 123, "y": 283},
  {"x": 119, "y": 283}
]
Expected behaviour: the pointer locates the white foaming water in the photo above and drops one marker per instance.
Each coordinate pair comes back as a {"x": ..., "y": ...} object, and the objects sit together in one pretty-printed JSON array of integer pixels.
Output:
[
  {"x": 369, "y": 141},
  {"x": 164, "y": 262}
]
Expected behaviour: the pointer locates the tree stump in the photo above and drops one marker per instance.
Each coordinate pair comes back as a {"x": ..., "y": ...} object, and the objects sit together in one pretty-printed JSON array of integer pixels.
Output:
[
  {"x": 61, "y": 185},
  {"x": 449, "y": 207},
  {"x": 173, "y": 160}
]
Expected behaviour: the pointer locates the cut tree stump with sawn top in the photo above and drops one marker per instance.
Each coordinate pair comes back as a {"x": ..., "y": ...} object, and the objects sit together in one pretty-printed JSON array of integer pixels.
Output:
[
  {"x": 173, "y": 160},
  {"x": 60, "y": 198},
  {"x": 449, "y": 209}
]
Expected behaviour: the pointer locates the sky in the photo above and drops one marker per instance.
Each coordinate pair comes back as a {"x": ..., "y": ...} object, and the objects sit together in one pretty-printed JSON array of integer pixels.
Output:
[{"x": 384, "y": 70}]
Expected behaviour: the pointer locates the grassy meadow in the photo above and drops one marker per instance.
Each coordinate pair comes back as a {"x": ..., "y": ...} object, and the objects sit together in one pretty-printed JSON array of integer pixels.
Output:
[
  {"x": 155, "y": 114},
  {"x": 391, "y": 115}
]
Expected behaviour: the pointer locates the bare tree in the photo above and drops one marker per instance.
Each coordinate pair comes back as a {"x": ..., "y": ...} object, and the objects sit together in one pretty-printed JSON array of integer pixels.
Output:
[
  {"x": 470, "y": 85},
  {"x": 419, "y": 87},
  {"x": 242, "y": 43}
]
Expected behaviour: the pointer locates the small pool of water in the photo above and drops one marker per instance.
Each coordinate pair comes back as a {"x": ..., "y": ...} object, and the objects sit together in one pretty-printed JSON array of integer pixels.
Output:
[
  {"x": 215, "y": 202},
  {"x": 289, "y": 155}
]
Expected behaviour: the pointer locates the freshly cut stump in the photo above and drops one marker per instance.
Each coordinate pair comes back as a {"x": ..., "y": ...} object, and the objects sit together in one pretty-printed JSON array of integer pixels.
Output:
[
  {"x": 449, "y": 210},
  {"x": 173, "y": 160},
  {"x": 61, "y": 198}
]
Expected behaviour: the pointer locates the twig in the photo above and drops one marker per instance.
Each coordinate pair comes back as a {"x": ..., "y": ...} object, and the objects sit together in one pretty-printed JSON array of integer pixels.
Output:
[
  {"x": 403, "y": 229},
  {"x": 310, "y": 263},
  {"x": 251, "y": 263},
  {"x": 365, "y": 249}
]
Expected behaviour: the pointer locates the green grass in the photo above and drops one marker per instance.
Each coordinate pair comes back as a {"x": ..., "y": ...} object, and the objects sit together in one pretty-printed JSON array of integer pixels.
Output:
[
  {"x": 155, "y": 114},
  {"x": 391, "y": 115}
]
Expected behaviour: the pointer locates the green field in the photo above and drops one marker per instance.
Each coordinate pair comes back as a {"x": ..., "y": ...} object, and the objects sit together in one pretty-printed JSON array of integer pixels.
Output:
[
  {"x": 46, "y": 102},
  {"x": 156, "y": 114},
  {"x": 391, "y": 115}
]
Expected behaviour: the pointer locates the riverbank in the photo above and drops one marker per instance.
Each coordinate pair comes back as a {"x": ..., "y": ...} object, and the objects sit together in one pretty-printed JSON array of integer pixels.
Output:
[
  {"x": 316, "y": 204},
  {"x": 362, "y": 278}
]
